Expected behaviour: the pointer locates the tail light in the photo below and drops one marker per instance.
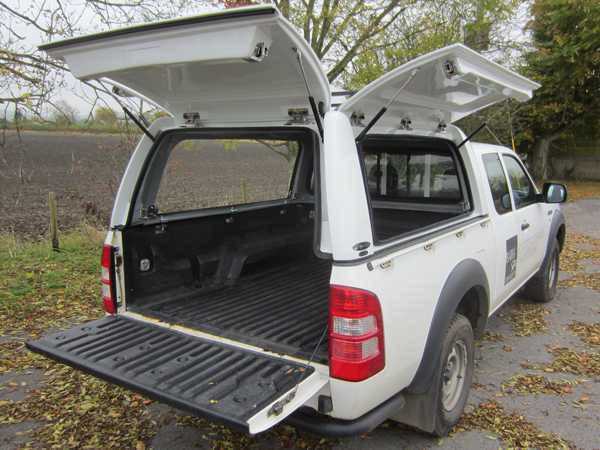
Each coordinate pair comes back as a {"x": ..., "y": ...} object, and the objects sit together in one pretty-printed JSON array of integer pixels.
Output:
[
  {"x": 356, "y": 346},
  {"x": 107, "y": 280}
]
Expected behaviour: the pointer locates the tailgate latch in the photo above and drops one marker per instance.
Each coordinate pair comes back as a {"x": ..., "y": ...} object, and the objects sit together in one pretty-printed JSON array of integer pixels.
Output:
[{"x": 278, "y": 406}]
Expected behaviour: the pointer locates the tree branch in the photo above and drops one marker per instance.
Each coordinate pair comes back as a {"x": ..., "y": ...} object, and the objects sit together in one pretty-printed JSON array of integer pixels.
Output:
[
  {"x": 26, "y": 19},
  {"x": 371, "y": 31},
  {"x": 307, "y": 20}
]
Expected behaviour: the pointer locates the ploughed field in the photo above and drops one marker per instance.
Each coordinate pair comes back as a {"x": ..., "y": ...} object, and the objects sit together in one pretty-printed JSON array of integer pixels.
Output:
[{"x": 84, "y": 170}]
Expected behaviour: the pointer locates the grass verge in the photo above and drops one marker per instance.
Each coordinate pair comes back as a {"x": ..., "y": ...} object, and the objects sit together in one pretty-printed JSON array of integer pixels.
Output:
[{"x": 41, "y": 289}]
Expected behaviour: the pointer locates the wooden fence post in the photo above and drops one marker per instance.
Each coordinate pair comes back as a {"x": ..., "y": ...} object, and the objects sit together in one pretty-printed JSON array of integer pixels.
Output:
[{"x": 53, "y": 220}]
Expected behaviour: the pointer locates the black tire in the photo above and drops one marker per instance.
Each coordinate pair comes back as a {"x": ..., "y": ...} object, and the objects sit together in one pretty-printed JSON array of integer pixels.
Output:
[
  {"x": 542, "y": 287},
  {"x": 448, "y": 410}
]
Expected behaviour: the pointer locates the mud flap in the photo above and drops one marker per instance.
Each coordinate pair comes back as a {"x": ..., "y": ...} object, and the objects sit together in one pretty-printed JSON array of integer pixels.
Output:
[{"x": 242, "y": 388}]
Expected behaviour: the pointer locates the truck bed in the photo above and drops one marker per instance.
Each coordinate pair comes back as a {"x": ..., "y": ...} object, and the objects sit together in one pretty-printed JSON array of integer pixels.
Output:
[{"x": 284, "y": 309}]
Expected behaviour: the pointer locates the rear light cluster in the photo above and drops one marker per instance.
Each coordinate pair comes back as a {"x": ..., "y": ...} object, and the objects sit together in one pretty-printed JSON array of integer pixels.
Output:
[
  {"x": 107, "y": 280},
  {"x": 356, "y": 346}
]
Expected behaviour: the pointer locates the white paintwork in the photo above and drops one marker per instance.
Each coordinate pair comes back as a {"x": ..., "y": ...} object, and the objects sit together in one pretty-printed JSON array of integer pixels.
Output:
[
  {"x": 208, "y": 67},
  {"x": 202, "y": 68},
  {"x": 348, "y": 212},
  {"x": 430, "y": 96},
  {"x": 132, "y": 172},
  {"x": 304, "y": 392},
  {"x": 531, "y": 240}
]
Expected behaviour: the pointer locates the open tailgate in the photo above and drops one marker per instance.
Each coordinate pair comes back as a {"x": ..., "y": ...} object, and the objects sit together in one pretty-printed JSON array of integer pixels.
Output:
[
  {"x": 437, "y": 88},
  {"x": 232, "y": 67},
  {"x": 240, "y": 387}
]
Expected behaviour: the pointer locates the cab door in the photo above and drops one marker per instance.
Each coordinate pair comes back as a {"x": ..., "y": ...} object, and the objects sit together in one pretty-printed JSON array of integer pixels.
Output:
[
  {"x": 529, "y": 215},
  {"x": 505, "y": 228}
]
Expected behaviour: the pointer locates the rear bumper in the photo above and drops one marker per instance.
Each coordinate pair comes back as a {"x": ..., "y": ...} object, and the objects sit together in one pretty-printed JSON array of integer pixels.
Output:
[{"x": 326, "y": 426}]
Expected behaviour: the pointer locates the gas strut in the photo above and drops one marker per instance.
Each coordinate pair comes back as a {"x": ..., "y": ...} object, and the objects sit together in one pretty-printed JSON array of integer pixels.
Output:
[
  {"x": 311, "y": 99},
  {"x": 139, "y": 123},
  {"x": 382, "y": 111},
  {"x": 468, "y": 138}
]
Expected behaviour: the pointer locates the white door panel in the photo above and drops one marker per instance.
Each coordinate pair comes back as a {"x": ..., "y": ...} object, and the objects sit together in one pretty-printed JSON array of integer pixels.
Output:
[
  {"x": 529, "y": 215},
  {"x": 505, "y": 226}
]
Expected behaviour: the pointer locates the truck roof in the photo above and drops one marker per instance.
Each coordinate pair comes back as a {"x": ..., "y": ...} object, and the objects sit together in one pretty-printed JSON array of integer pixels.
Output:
[{"x": 482, "y": 148}]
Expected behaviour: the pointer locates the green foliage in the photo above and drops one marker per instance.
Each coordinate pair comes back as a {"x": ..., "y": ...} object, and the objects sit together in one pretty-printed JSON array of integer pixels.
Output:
[
  {"x": 565, "y": 60},
  {"x": 106, "y": 116},
  {"x": 36, "y": 124},
  {"x": 151, "y": 116},
  {"x": 428, "y": 26}
]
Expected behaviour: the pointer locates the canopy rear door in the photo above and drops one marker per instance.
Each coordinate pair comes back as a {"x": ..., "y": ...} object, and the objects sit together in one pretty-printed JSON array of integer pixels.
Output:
[
  {"x": 439, "y": 87},
  {"x": 234, "y": 66},
  {"x": 252, "y": 391}
]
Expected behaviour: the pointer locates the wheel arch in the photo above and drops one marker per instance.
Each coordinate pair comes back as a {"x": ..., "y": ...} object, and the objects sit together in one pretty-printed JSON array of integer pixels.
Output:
[
  {"x": 557, "y": 231},
  {"x": 466, "y": 291},
  {"x": 561, "y": 236}
]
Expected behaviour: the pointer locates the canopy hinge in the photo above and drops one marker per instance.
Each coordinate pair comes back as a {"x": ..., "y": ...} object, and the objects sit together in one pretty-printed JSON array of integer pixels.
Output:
[
  {"x": 259, "y": 52},
  {"x": 450, "y": 68},
  {"x": 192, "y": 119},
  {"x": 405, "y": 124},
  {"x": 356, "y": 119},
  {"x": 298, "y": 116}
]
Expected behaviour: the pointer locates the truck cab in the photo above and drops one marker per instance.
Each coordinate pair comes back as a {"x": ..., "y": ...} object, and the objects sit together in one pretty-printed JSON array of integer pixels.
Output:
[{"x": 271, "y": 257}]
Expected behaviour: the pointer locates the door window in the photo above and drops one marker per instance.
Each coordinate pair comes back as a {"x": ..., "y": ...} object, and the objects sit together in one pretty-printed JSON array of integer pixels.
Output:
[
  {"x": 497, "y": 182},
  {"x": 522, "y": 188}
]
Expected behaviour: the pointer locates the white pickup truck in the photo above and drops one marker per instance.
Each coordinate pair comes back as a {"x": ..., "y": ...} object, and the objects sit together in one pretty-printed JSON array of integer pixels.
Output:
[{"x": 274, "y": 255}]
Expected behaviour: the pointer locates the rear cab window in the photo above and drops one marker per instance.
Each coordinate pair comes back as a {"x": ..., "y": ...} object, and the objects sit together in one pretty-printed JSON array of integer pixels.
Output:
[{"x": 412, "y": 183}]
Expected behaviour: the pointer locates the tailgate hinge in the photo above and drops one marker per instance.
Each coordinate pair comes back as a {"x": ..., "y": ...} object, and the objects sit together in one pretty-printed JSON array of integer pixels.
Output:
[{"x": 278, "y": 406}]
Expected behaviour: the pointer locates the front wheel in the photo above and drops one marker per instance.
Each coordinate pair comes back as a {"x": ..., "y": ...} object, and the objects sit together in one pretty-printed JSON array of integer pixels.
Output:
[
  {"x": 542, "y": 287},
  {"x": 456, "y": 367}
]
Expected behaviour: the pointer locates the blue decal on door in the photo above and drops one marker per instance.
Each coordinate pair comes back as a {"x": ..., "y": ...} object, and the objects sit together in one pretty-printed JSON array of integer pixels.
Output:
[{"x": 511, "y": 259}]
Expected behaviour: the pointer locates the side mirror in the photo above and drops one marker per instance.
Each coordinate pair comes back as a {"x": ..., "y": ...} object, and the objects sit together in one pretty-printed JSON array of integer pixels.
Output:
[{"x": 554, "y": 193}]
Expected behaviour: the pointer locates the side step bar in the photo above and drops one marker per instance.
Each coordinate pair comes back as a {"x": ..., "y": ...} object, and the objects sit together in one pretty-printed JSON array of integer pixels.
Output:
[{"x": 205, "y": 378}]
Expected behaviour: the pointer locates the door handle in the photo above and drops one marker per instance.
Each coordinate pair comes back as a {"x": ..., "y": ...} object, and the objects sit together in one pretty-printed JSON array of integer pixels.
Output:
[{"x": 524, "y": 226}]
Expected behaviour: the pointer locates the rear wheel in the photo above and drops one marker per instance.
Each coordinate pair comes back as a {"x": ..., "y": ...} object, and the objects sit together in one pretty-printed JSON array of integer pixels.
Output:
[
  {"x": 456, "y": 374},
  {"x": 542, "y": 287}
]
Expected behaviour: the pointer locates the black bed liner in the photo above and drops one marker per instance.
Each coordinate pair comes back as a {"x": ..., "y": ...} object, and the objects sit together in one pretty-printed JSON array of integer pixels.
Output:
[
  {"x": 210, "y": 379},
  {"x": 283, "y": 310}
]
